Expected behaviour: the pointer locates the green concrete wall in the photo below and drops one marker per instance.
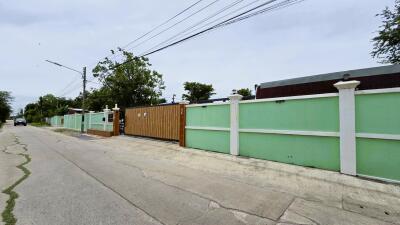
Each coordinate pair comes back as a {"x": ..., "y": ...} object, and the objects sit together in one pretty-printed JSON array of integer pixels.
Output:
[
  {"x": 217, "y": 116},
  {"x": 56, "y": 121},
  {"x": 97, "y": 122},
  {"x": 378, "y": 158},
  {"x": 208, "y": 116},
  {"x": 74, "y": 121},
  {"x": 317, "y": 114},
  {"x": 375, "y": 114},
  {"x": 378, "y": 114},
  {"x": 310, "y": 151},
  {"x": 216, "y": 141}
]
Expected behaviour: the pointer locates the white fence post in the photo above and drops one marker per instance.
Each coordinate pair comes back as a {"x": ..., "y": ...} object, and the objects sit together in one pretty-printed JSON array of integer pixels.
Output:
[
  {"x": 106, "y": 112},
  {"x": 75, "y": 125},
  {"x": 234, "y": 134},
  {"x": 347, "y": 115},
  {"x": 90, "y": 119}
]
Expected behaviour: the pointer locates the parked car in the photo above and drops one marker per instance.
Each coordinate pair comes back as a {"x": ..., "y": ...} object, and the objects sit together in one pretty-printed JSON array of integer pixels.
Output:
[{"x": 19, "y": 121}]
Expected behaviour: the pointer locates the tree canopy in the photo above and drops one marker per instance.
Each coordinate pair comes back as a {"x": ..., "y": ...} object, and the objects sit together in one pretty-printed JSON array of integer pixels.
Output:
[
  {"x": 130, "y": 83},
  {"x": 245, "y": 92},
  {"x": 196, "y": 92},
  {"x": 5, "y": 106},
  {"x": 387, "y": 42},
  {"x": 48, "y": 106}
]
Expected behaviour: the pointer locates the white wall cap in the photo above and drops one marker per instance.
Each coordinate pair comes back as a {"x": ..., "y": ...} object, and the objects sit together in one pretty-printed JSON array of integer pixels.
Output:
[
  {"x": 235, "y": 97},
  {"x": 116, "y": 107},
  {"x": 184, "y": 102},
  {"x": 347, "y": 84}
]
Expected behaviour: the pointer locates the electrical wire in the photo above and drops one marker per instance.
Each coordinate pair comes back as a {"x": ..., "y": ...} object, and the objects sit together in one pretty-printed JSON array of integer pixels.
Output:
[
  {"x": 187, "y": 30},
  {"x": 237, "y": 18},
  {"x": 158, "y": 26},
  {"x": 234, "y": 19}
]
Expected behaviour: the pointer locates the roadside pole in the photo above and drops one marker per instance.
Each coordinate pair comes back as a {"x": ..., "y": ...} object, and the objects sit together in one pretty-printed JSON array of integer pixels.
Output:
[{"x": 83, "y": 99}]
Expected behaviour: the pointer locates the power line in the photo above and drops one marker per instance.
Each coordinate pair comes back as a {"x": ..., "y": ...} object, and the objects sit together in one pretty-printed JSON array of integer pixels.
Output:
[
  {"x": 229, "y": 21},
  {"x": 160, "y": 25},
  {"x": 74, "y": 88},
  {"x": 68, "y": 85},
  {"x": 239, "y": 17},
  {"x": 175, "y": 24},
  {"x": 185, "y": 32}
]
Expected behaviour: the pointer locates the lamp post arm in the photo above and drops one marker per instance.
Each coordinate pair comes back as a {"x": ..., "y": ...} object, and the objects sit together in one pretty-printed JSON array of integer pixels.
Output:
[{"x": 58, "y": 64}]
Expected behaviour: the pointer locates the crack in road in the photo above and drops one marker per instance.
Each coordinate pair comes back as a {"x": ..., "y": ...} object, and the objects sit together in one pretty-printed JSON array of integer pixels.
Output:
[{"x": 7, "y": 215}]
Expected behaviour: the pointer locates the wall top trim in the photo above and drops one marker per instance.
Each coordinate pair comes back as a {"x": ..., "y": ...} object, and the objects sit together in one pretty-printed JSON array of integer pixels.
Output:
[
  {"x": 291, "y": 98},
  {"x": 208, "y": 104},
  {"x": 208, "y": 128},
  {"x": 378, "y": 91}
]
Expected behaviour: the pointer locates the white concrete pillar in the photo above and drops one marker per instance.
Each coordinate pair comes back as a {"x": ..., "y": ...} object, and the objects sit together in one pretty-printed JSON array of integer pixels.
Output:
[
  {"x": 234, "y": 134},
  {"x": 347, "y": 115},
  {"x": 106, "y": 112},
  {"x": 90, "y": 119}
]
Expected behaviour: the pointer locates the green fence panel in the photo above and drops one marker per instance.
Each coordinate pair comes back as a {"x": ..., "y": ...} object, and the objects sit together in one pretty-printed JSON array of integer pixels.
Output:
[
  {"x": 209, "y": 116},
  {"x": 378, "y": 113},
  {"x": 97, "y": 123},
  {"x": 318, "y": 152},
  {"x": 56, "y": 121},
  {"x": 378, "y": 158},
  {"x": 73, "y": 121},
  {"x": 216, "y": 116},
  {"x": 216, "y": 141},
  {"x": 315, "y": 114}
]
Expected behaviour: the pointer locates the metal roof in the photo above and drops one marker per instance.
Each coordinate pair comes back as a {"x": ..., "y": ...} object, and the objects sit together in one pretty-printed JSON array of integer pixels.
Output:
[{"x": 382, "y": 70}]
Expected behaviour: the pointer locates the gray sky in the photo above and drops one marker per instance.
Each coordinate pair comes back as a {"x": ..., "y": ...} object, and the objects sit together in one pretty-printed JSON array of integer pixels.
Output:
[{"x": 315, "y": 36}]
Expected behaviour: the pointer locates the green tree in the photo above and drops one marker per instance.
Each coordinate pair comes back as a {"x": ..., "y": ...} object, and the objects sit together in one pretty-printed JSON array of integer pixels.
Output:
[
  {"x": 196, "y": 92},
  {"x": 130, "y": 83},
  {"x": 387, "y": 43},
  {"x": 47, "y": 106},
  {"x": 245, "y": 92},
  {"x": 97, "y": 99},
  {"x": 32, "y": 112},
  {"x": 5, "y": 106}
]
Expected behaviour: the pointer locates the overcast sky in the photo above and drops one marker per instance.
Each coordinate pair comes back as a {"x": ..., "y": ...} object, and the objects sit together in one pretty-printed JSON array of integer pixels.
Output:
[{"x": 313, "y": 37}]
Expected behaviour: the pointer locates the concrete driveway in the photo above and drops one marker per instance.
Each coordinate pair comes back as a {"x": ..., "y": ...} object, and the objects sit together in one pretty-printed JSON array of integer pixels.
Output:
[{"x": 125, "y": 180}]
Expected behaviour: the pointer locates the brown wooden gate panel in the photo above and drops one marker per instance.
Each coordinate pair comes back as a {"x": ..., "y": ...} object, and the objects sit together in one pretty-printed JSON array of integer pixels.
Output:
[{"x": 155, "y": 121}]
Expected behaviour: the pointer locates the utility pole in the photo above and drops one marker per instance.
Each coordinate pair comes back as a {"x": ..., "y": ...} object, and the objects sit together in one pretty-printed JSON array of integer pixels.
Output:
[
  {"x": 84, "y": 88},
  {"x": 83, "y": 99}
]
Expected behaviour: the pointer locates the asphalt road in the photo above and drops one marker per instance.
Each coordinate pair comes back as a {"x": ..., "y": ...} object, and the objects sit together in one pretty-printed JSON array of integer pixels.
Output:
[{"x": 77, "y": 181}]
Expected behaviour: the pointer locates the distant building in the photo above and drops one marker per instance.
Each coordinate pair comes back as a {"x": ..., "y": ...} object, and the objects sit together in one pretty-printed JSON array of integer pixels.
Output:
[
  {"x": 370, "y": 78},
  {"x": 75, "y": 110}
]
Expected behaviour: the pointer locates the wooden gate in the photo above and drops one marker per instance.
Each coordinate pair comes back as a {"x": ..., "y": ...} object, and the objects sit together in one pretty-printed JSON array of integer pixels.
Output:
[{"x": 163, "y": 121}]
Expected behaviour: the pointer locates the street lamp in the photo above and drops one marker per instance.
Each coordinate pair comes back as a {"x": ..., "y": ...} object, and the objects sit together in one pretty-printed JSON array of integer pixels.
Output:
[{"x": 83, "y": 73}]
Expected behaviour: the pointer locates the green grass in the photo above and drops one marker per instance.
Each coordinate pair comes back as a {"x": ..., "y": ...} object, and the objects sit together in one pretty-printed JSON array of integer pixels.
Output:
[
  {"x": 7, "y": 214},
  {"x": 67, "y": 132},
  {"x": 39, "y": 124}
]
